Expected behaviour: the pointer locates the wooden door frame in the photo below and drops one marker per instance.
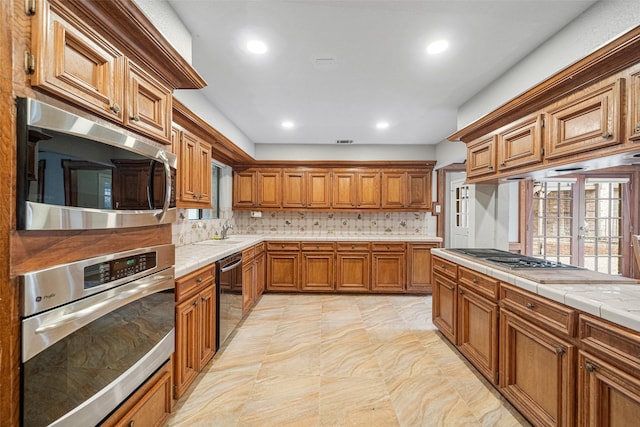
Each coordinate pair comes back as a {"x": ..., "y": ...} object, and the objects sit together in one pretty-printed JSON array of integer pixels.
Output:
[{"x": 441, "y": 195}]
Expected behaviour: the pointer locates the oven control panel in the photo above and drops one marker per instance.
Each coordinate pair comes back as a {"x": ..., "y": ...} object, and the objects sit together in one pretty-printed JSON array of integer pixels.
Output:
[{"x": 105, "y": 272}]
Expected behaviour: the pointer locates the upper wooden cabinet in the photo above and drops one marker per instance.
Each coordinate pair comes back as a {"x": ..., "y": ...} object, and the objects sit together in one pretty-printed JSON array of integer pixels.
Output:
[
  {"x": 194, "y": 176},
  {"x": 520, "y": 144},
  {"x": 481, "y": 157},
  {"x": 585, "y": 121},
  {"x": 73, "y": 61},
  {"x": 633, "y": 120},
  {"x": 406, "y": 189},
  {"x": 306, "y": 188},
  {"x": 326, "y": 188}
]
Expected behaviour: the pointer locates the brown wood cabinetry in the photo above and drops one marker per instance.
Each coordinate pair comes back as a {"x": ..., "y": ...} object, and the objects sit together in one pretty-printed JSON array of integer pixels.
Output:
[
  {"x": 481, "y": 157},
  {"x": 633, "y": 119},
  {"x": 419, "y": 267},
  {"x": 445, "y": 301},
  {"x": 149, "y": 405},
  {"x": 585, "y": 121},
  {"x": 353, "y": 264},
  {"x": 74, "y": 62},
  {"x": 405, "y": 189},
  {"x": 269, "y": 192},
  {"x": 283, "y": 266},
  {"x": 194, "y": 178},
  {"x": 245, "y": 189},
  {"x": 318, "y": 271},
  {"x": 608, "y": 374},
  {"x": 195, "y": 325},
  {"x": 252, "y": 276},
  {"x": 388, "y": 267},
  {"x": 354, "y": 189},
  {"x": 477, "y": 321},
  {"x": 306, "y": 188},
  {"x": 520, "y": 144}
]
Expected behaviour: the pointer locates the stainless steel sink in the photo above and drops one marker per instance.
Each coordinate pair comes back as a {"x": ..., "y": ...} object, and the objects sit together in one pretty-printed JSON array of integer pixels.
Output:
[{"x": 216, "y": 242}]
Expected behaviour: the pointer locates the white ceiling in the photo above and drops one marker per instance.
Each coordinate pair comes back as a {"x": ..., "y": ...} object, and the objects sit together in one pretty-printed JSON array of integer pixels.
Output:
[{"x": 381, "y": 70}]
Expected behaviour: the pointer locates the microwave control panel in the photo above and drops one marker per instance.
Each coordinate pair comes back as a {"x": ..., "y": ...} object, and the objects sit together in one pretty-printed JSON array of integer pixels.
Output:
[{"x": 109, "y": 271}]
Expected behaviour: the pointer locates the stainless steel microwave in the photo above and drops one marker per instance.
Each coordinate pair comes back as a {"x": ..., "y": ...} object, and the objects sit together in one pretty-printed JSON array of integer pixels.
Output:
[{"x": 75, "y": 173}]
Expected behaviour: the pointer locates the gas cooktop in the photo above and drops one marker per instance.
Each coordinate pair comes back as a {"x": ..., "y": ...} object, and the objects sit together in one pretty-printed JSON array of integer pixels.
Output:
[{"x": 510, "y": 260}]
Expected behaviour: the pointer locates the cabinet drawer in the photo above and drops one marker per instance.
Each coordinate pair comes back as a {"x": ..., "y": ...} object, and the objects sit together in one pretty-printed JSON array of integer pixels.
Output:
[
  {"x": 548, "y": 314},
  {"x": 609, "y": 340},
  {"x": 186, "y": 285},
  {"x": 318, "y": 246},
  {"x": 479, "y": 282},
  {"x": 248, "y": 254},
  {"x": 388, "y": 247},
  {"x": 259, "y": 248},
  {"x": 353, "y": 246},
  {"x": 445, "y": 267},
  {"x": 283, "y": 246}
]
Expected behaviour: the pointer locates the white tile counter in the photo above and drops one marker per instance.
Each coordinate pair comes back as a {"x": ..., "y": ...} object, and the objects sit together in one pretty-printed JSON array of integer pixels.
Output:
[
  {"x": 617, "y": 300},
  {"x": 191, "y": 257}
]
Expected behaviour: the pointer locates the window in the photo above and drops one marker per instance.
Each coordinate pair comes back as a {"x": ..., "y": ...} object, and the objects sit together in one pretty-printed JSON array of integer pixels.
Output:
[{"x": 582, "y": 221}]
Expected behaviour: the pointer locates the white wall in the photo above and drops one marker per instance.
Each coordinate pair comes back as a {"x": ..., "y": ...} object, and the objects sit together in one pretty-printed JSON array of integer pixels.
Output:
[
  {"x": 448, "y": 152},
  {"x": 599, "y": 24},
  {"x": 343, "y": 152}
]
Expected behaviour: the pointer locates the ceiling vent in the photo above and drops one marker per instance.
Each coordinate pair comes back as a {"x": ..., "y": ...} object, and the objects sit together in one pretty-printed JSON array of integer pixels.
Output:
[
  {"x": 344, "y": 141},
  {"x": 325, "y": 62}
]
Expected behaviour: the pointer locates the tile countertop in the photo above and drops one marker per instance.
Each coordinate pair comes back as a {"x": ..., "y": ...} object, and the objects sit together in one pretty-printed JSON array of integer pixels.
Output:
[
  {"x": 191, "y": 257},
  {"x": 616, "y": 300}
]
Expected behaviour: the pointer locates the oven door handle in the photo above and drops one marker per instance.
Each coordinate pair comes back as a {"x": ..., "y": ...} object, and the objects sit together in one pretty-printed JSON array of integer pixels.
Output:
[
  {"x": 230, "y": 267},
  {"x": 42, "y": 331},
  {"x": 167, "y": 180}
]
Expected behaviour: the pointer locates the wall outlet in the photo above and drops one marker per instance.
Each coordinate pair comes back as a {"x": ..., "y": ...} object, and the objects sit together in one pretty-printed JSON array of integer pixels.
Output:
[
  {"x": 256, "y": 214},
  {"x": 437, "y": 209}
]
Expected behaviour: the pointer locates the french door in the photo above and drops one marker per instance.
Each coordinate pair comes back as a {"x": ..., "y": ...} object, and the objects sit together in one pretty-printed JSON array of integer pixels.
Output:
[{"x": 582, "y": 220}]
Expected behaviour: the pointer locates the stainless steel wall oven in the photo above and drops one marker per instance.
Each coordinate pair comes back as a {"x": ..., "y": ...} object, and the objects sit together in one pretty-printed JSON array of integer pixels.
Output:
[
  {"x": 92, "y": 332},
  {"x": 77, "y": 173}
]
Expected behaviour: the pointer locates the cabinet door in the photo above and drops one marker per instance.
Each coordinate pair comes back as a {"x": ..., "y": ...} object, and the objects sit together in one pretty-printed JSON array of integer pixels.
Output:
[
  {"x": 294, "y": 189},
  {"x": 418, "y": 190},
  {"x": 148, "y": 104},
  {"x": 269, "y": 194},
  {"x": 248, "y": 286},
  {"x": 204, "y": 174},
  {"x": 608, "y": 396},
  {"x": 419, "y": 267},
  {"x": 352, "y": 272},
  {"x": 520, "y": 144},
  {"x": 394, "y": 189},
  {"x": 387, "y": 272},
  {"x": 318, "y": 271},
  {"x": 586, "y": 121},
  {"x": 537, "y": 372},
  {"x": 318, "y": 192},
  {"x": 368, "y": 192},
  {"x": 283, "y": 271},
  {"x": 154, "y": 408},
  {"x": 481, "y": 156},
  {"x": 344, "y": 189},
  {"x": 445, "y": 306},
  {"x": 187, "y": 353},
  {"x": 478, "y": 332},
  {"x": 260, "y": 274},
  {"x": 207, "y": 308},
  {"x": 244, "y": 189},
  {"x": 75, "y": 63},
  {"x": 189, "y": 161}
]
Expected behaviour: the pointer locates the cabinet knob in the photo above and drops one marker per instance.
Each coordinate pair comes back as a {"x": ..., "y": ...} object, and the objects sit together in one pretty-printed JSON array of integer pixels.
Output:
[
  {"x": 131, "y": 423},
  {"x": 529, "y": 305},
  {"x": 606, "y": 135},
  {"x": 638, "y": 127},
  {"x": 503, "y": 164},
  {"x": 199, "y": 279},
  {"x": 353, "y": 246},
  {"x": 443, "y": 266},
  {"x": 195, "y": 196},
  {"x": 590, "y": 367},
  {"x": 490, "y": 167},
  {"x": 115, "y": 108},
  {"x": 475, "y": 279},
  {"x": 461, "y": 292},
  {"x": 283, "y": 246},
  {"x": 560, "y": 350},
  {"x": 135, "y": 117},
  {"x": 195, "y": 302}
]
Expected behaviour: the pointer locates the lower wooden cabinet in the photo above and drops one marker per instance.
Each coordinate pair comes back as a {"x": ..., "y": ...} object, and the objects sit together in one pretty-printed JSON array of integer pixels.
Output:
[
  {"x": 445, "y": 305},
  {"x": 283, "y": 266},
  {"x": 318, "y": 270},
  {"x": 353, "y": 264},
  {"x": 150, "y": 405},
  {"x": 537, "y": 372},
  {"x": 388, "y": 267},
  {"x": 478, "y": 331},
  {"x": 252, "y": 276},
  {"x": 419, "y": 267},
  {"x": 195, "y": 326}
]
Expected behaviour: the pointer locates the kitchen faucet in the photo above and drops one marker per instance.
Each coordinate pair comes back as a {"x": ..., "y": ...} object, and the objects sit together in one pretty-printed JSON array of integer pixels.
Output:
[{"x": 225, "y": 228}]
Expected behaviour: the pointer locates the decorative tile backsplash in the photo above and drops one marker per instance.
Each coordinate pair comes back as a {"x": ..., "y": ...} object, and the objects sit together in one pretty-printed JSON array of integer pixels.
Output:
[{"x": 309, "y": 223}]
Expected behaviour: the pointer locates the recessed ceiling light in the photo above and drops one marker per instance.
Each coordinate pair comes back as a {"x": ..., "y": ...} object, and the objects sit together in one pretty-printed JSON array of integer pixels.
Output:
[
  {"x": 287, "y": 124},
  {"x": 382, "y": 125},
  {"x": 256, "y": 46},
  {"x": 437, "y": 47}
]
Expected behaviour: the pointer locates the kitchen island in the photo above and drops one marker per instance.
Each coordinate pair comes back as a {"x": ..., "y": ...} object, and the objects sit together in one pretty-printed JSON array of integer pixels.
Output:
[{"x": 545, "y": 346}]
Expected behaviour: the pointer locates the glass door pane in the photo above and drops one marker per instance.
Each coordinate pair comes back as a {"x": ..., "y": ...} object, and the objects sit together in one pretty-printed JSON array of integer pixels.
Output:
[{"x": 552, "y": 222}]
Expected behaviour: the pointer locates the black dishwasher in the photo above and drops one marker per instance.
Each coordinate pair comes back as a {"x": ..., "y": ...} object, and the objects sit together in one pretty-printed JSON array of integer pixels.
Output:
[{"x": 229, "y": 301}]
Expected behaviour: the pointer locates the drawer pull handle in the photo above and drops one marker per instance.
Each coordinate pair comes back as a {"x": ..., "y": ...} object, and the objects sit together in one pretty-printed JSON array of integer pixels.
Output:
[
  {"x": 444, "y": 267},
  {"x": 475, "y": 280},
  {"x": 199, "y": 279},
  {"x": 560, "y": 350},
  {"x": 590, "y": 367},
  {"x": 529, "y": 305}
]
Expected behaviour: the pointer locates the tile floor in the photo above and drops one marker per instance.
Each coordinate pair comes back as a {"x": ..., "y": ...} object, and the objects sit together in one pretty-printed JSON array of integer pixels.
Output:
[{"x": 348, "y": 360}]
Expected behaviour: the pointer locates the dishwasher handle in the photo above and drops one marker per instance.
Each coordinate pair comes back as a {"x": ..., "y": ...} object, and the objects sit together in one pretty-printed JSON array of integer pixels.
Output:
[{"x": 230, "y": 267}]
